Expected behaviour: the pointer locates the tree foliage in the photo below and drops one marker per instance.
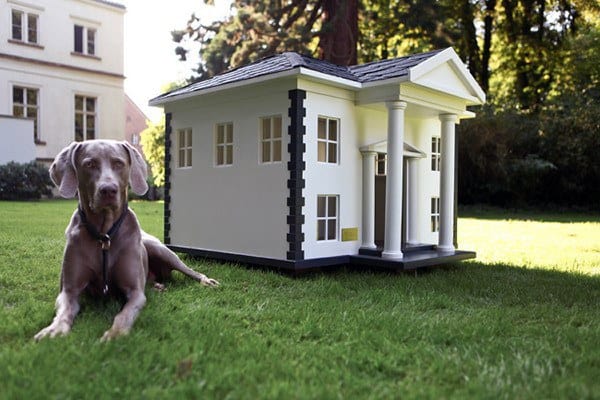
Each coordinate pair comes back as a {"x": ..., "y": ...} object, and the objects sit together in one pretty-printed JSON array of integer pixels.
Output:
[{"x": 153, "y": 142}]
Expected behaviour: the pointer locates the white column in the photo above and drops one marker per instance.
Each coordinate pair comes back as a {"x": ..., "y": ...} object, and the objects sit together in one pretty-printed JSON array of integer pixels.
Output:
[
  {"x": 368, "y": 200},
  {"x": 446, "y": 239},
  {"x": 412, "y": 234},
  {"x": 392, "y": 247}
]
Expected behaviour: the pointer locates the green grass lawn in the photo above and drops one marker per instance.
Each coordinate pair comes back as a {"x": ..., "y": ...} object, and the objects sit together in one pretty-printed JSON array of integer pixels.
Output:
[{"x": 522, "y": 321}]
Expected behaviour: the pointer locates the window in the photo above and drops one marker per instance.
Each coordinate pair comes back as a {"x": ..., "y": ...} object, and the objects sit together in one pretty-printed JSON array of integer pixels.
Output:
[
  {"x": 435, "y": 153},
  {"x": 435, "y": 214},
  {"x": 381, "y": 164},
  {"x": 270, "y": 139},
  {"x": 224, "y": 144},
  {"x": 85, "y": 118},
  {"x": 24, "y": 27},
  {"x": 84, "y": 40},
  {"x": 184, "y": 145},
  {"x": 327, "y": 140},
  {"x": 26, "y": 105},
  {"x": 327, "y": 217}
]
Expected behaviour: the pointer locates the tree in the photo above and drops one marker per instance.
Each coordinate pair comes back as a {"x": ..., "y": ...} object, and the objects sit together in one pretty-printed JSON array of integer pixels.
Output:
[{"x": 153, "y": 142}]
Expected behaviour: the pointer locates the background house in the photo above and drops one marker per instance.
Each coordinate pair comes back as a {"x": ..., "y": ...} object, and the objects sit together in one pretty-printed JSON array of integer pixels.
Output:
[
  {"x": 135, "y": 122},
  {"x": 61, "y": 65}
]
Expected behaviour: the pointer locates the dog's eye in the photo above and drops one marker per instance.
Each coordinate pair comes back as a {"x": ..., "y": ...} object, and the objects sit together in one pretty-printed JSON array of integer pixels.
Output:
[
  {"x": 90, "y": 164},
  {"x": 118, "y": 164}
]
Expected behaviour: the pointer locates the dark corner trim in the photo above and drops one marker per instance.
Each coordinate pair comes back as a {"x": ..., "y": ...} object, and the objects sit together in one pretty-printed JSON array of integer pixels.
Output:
[
  {"x": 167, "y": 209},
  {"x": 296, "y": 167}
]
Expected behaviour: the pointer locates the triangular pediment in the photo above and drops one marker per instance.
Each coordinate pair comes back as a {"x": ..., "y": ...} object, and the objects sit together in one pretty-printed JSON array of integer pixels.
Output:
[{"x": 446, "y": 73}]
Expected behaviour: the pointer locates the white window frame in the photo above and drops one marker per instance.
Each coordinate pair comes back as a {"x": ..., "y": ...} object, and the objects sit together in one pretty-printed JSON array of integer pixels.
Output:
[
  {"x": 270, "y": 146},
  {"x": 435, "y": 214},
  {"x": 25, "y": 29},
  {"x": 324, "y": 144},
  {"x": 85, "y": 113},
  {"x": 86, "y": 40},
  {"x": 326, "y": 215},
  {"x": 436, "y": 153},
  {"x": 184, "y": 147},
  {"x": 26, "y": 106},
  {"x": 224, "y": 138}
]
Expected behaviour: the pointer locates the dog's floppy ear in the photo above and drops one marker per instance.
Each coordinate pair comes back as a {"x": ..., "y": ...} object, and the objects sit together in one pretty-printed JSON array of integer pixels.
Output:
[
  {"x": 138, "y": 172},
  {"x": 62, "y": 171}
]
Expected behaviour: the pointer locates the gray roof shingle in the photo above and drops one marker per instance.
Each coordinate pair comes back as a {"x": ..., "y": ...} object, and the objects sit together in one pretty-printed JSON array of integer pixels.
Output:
[{"x": 370, "y": 72}]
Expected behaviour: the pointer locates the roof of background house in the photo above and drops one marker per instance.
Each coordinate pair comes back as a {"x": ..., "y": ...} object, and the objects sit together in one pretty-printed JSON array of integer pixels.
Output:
[
  {"x": 111, "y": 3},
  {"x": 370, "y": 72}
]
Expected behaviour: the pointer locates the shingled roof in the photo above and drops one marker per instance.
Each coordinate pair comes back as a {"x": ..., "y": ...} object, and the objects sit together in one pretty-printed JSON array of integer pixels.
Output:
[{"x": 288, "y": 61}]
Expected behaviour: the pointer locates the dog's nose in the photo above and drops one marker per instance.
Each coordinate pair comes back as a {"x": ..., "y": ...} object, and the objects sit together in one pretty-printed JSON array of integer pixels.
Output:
[{"x": 108, "y": 190}]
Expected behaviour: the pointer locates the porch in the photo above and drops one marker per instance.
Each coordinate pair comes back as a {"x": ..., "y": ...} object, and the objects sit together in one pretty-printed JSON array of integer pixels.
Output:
[{"x": 414, "y": 257}]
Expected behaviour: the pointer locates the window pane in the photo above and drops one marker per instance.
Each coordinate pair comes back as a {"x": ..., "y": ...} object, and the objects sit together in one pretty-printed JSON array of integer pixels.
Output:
[
  {"x": 333, "y": 129},
  {"x": 32, "y": 28},
  {"x": 220, "y": 134},
  {"x": 78, "y": 39},
  {"x": 91, "y": 41},
  {"x": 229, "y": 133},
  {"x": 322, "y": 129},
  {"x": 331, "y": 229},
  {"x": 181, "y": 158},
  {"x": 17, "y": 28},
  {"x": 277, "y": 150},
  {"x": 18, "y": 111},
  {"x": 277, "y": 127},
  {"x": 31, "y": 112},
  {"x": 189, "y": 157},
  {"x": 229, "y": 155},
  {"x": 266, "y": 151},
  {"x": 79, "y": 103},
  {"x": 189, "y": 138},
  {"x": 322, "y": 156},
  {"x": 332, "y": 206},
  {"x": 90, "y": 134},
  {"x": 18, "y": 95},
  {"x": 31, "y": 97},
  {"x": 220, "y": 156},
  {"x": 266, "y": 128},
  {"x": 321, "y": 206},
  {"x": 332, "y": 153},
  {"x": 90, "y": 104},
  {"x": 321, "y": 230}
]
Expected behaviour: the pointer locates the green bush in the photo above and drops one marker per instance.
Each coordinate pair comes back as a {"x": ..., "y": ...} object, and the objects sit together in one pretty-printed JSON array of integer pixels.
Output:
[{"x": 24, "y": 181}]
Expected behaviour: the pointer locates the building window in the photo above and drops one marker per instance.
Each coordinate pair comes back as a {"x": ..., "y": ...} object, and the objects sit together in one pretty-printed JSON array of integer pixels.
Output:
[
  {"x": 327, "y": 140},
  {"x": 184, "y": 146},
  {"x": 327, "y": 217},
  {"x": 381, "y": 164},
  {"x": 26, "y": 105},
  {"x": 24, "y": 27},
  {"x": 224, "y": 144},
  {"x": 85, "y": 118},
  {"x": 84, "y": 40},
  {"x": 435, "y": 214},
  {"x": 270, "y": 139},
  {"x": 436, "y": 151}
]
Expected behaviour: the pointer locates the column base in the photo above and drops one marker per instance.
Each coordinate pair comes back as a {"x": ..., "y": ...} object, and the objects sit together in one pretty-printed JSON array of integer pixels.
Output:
[
  {"x": 392, "y": 254},
  {"x": 446, "y": 248}
]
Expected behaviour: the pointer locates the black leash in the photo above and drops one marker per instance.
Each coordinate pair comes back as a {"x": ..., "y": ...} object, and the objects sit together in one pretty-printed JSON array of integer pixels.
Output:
[{"x": 104, "y": 239}]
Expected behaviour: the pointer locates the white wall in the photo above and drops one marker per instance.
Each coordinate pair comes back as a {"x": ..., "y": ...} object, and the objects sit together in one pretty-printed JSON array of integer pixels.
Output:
[
  {"x": 240, "y": 208},
  {"x": 19, "y": 133}
]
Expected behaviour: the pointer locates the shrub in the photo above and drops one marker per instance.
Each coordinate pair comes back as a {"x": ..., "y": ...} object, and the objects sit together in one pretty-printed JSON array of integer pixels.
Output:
[{"x": 24, "y": 181}]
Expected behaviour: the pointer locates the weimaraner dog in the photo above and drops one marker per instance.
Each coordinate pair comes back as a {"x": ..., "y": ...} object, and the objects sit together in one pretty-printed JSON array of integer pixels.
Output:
[{"x": 106, "y": 250}]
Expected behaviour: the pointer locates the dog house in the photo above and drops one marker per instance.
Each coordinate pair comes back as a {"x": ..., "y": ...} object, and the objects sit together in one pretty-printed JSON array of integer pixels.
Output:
[{"x": 298, "y": 163}]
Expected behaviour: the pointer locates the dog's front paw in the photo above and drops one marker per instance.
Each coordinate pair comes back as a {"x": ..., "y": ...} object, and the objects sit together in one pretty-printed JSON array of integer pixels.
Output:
[
  {"x": 206, "y": 281},
  {"x": 112, "y": 333},
  {"x": 52, "y": 330}
]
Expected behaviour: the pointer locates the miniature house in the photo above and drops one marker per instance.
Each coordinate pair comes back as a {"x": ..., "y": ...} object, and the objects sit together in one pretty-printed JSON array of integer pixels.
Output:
[{"x": 297, "y": 163}]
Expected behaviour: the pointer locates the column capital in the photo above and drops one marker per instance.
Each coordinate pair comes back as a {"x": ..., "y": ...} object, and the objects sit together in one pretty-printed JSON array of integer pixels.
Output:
[
  {"x": 396, "y": 105},
  {"x": 449, "y": 118},
  {"x": 368, "y": 152}
]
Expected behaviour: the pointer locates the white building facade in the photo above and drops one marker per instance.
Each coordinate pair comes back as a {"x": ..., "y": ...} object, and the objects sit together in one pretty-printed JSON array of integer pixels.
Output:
[{"x": 62, "y": 65}]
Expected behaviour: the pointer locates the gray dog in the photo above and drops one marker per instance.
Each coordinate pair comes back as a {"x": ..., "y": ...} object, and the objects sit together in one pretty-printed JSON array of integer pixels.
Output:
[{"x": 106, "y": 250}]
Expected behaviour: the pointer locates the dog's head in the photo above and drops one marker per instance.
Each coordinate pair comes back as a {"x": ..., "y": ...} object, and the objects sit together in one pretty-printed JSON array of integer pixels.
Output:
[{"x": 100, "y": 170}]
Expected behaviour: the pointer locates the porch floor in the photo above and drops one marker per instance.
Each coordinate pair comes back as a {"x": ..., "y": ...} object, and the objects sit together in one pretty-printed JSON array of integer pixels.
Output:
[{"x": 418, "y": 256}]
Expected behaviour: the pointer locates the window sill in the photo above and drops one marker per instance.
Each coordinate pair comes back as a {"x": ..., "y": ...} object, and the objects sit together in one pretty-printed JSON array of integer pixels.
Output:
[
  {"x": 83, "y": 55},
  {"x": 26, "y": 44}
]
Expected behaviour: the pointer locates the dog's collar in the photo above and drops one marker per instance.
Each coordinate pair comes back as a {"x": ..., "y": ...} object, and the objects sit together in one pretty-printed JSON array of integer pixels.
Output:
[{"x": 103, "y": 238}]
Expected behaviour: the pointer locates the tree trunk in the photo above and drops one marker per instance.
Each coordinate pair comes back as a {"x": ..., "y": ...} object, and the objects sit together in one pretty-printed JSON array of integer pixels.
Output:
[{"x": 339, "y": 34}]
